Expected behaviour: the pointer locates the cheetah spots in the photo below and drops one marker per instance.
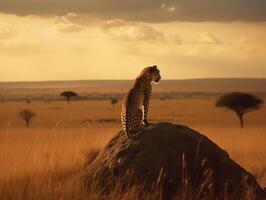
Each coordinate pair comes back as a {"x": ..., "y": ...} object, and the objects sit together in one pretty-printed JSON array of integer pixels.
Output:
[
  {"x": 136, "y": 103},
  {"x": 136, "y": 134}
]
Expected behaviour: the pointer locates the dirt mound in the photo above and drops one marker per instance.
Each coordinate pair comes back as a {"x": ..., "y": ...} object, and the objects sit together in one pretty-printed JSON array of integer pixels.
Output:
[{"x": 172, "y": 159}]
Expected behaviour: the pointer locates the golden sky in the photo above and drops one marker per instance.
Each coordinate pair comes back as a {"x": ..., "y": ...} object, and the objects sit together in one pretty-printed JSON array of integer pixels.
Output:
[{"x": 115, "y": 39}]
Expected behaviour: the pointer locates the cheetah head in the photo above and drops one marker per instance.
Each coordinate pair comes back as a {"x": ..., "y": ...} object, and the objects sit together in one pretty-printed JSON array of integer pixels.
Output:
[
  {"x": 151, "y": 73},
  {"x": 154, "y": 74}
]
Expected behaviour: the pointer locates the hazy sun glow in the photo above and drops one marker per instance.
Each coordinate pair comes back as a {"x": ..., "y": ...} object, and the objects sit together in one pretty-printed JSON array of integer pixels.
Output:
[{"x": 57, "y": 46}]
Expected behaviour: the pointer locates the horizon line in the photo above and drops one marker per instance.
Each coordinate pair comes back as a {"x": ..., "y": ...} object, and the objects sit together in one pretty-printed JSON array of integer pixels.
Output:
[{"x": 182, "y": 79}]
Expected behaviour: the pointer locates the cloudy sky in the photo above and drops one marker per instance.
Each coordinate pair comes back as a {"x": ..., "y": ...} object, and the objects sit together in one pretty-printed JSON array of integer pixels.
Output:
[{"x": 115, "y": 39}]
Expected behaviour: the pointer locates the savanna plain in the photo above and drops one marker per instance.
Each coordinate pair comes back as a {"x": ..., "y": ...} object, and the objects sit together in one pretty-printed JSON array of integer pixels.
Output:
[{"x": 44, "y": 160}]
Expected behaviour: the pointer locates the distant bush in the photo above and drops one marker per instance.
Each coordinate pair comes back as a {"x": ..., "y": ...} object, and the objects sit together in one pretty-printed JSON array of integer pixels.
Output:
[
  {"x": 107, "y": 120},
  {"x": 163, "y": 98},
  {"x": 240, "y": 103},
  {"x": 114, "y": 101},
  {"x": 28, "y": 101},
  {"x": 27, "y": 116}
]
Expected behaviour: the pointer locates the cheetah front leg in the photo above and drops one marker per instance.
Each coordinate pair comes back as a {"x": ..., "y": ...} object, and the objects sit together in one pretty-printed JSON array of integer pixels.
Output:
[{"x": 146, "y": 102}]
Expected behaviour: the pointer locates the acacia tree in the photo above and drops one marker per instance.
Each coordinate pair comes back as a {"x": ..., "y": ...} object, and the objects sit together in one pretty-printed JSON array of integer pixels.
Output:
[
  {"x": 27, "y": 116},
  {"x": 68, "y": 95},
  {"x": 240, "y": 103}
]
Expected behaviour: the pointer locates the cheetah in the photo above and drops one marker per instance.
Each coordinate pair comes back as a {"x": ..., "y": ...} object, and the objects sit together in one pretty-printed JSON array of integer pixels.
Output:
[{"x": 136, "y": 103}]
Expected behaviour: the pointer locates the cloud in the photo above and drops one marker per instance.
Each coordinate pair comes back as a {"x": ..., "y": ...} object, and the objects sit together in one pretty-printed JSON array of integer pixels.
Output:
[
  {"x": 132, "y": 31},
  {"x": 65, "y": 19},
  {"x": 7, "y": 32},
  {"x": 64, "y": 24},
  {"x": 174, "y": 38},
  {"x": 69, "y": 28},
  {"x": 144, "y": 10},
  {"x": 168, "y": 8},
  {"x": 26, "y": 40},
  {"x": 208, "y": 38}
]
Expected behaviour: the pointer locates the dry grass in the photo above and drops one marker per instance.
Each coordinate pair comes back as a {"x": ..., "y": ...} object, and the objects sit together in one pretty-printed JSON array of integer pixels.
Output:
[{"x": 41, "y": 161}]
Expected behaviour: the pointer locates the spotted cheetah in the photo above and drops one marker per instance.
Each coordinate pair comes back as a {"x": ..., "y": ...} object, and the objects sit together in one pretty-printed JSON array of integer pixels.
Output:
[{"x": 136, "y": 103}]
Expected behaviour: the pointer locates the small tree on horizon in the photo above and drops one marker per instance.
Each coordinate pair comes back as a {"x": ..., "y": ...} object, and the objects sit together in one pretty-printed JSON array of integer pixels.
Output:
[
  {"x": 68, "y": 95},
  {"x": 240, "y": 103},
  {"x": 27, "y": 116}
]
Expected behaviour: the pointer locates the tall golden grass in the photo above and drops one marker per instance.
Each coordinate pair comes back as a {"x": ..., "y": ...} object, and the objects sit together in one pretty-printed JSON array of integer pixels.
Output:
[{"x": 43, "y": 161}]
